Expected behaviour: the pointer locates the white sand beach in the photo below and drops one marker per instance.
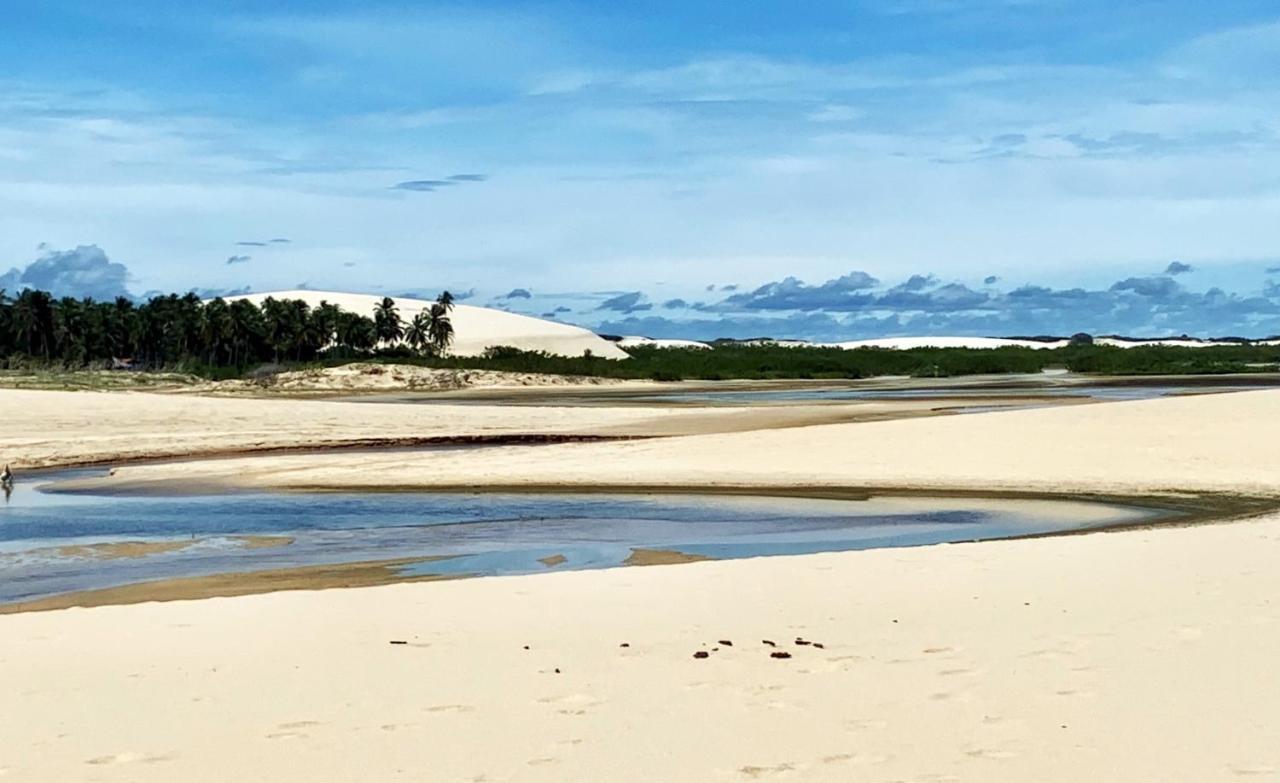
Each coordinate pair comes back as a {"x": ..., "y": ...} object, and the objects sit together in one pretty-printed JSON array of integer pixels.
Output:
[
  {"x": 1138, "y": 655},
  {"x": 1113, "y": 657},
  {"x": 1210, "y": 443}
]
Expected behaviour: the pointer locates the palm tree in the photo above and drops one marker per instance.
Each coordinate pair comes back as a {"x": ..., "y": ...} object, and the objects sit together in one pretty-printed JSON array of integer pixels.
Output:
[
  {"x": 418, "y": 333},
  {"x": 247, "y": 331},
  {"x": 439, "y": 327},
  {"x": 33, "y": 321},
  {"x": 324, "y": 324},
  {"x": 216, "y": 330},
  {"x": 357, "y": 333},
  {"x": 386, "y": 321}
]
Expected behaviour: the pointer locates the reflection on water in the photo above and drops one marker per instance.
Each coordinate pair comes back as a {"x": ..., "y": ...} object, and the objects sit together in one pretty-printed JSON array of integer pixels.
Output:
[{"x": 53, "y": 543}]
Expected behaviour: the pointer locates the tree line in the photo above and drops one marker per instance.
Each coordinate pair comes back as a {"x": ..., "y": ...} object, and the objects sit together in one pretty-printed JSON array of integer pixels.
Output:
[
  {"x": 775, "y": 362},
  {"x": 183, "y": 331}
]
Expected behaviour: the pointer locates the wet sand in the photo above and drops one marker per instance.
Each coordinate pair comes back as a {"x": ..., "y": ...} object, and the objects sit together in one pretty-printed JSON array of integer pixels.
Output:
[
  {"x": 653, "y": 557},
  {"x": 240, "y": 583},
  {"x": 122, "y": 549}
]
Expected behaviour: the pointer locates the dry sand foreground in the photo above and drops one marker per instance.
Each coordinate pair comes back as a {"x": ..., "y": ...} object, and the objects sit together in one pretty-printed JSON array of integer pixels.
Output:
[
  {"x": 1144, "y": 656},
  {"x": 1134, "y": 656}
]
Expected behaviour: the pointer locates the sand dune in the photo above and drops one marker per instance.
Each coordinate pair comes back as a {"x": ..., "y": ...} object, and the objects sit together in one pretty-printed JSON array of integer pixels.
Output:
[
  {"x": 907, "y": 343},
  {"x": 476, "y": 328},
  {"x": 636, "y": 341},
  {"x": 373, "y": 377}
]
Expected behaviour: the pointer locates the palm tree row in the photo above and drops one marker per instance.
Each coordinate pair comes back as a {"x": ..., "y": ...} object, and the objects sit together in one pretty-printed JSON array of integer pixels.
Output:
[{"x": 172, "y": 330}]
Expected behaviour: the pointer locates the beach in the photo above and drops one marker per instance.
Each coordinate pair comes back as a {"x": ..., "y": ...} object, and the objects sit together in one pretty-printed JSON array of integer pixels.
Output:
[
  {"x": 1218, "y": 443},
  {"x": 1139, "y": 654},
  {"x": 1125, "y": 656}
]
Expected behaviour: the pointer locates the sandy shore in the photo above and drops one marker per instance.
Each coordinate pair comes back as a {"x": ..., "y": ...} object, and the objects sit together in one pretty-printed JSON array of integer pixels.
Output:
[
  {"x": 1139, "y": 655},
  {"x": 1113, "y": 657},
  {"x": 46, "y": 428},
  {"x": 1201, "y": 444}
]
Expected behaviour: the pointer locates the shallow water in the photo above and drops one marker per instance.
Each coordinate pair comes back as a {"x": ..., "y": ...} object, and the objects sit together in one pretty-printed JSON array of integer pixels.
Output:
[{"x": 53, "y": 543}]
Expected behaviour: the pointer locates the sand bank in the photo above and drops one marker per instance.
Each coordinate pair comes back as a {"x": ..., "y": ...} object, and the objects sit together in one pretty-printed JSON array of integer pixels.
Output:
[
  {"x": 1115, "y": 657},
  {"x": 47, "y": 428},
  {"x": 1221, "y": 443}
]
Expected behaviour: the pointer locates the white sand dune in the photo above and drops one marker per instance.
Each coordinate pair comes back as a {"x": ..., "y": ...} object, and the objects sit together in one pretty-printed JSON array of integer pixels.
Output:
[
  {"x": 907, "y": 343},
  {"x": 635, "y": 341},
  {"x": 475, "y": 328},
  {"x": 954, "y": 341},
  {"x": 1170, "y": 342}
]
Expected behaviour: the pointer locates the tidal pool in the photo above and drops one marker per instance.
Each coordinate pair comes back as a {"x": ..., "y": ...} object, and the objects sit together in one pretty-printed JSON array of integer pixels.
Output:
[{"x": 53, "y": 543}]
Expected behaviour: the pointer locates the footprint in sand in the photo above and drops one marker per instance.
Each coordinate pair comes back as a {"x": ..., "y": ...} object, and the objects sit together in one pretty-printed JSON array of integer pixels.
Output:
[
  {"x": 863, "y": 724},
  {"x": 1248, "y": 770},
  {"x": 854, "y": 758},
  {"x": 989, "y": 753},
  {"x": 572, "y": 699},
  {"x": 290, "y": 730},
  {"x": 760, "y": 772},
  {"x": 131, "y": 758}
]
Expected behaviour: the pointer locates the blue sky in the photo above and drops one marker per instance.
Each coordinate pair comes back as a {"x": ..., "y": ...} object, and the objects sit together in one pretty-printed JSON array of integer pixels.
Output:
[{"x": 825, "y": 169}]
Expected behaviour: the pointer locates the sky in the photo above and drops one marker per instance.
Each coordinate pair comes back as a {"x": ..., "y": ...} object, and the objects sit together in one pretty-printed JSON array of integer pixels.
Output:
[{"x": 824, "y": 170}]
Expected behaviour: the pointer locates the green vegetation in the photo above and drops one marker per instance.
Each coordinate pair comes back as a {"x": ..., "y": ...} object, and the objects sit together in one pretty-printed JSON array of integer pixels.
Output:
[
  {"x": 763, "y": 362},
  {"x": 215, "y": 338},
  {"x": 219, "y": 339}
]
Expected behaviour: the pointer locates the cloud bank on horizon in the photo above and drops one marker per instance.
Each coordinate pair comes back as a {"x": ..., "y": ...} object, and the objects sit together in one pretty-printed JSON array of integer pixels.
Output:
[
  {"x": 854, "y": 168},
  {"x": 853, "y": 305}
]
